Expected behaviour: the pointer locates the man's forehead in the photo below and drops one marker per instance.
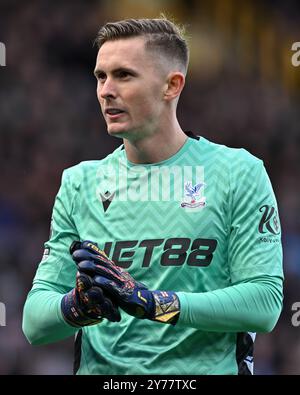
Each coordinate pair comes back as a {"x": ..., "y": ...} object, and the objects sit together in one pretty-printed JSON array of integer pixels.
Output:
[
  {"x": 130, "y": 53},
  {"x": 124, "y": 49}
]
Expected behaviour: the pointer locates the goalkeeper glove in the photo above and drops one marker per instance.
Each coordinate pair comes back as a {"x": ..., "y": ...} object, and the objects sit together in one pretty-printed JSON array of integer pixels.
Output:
[
  {"x": 86, "y": 304},
  {"x": 132, "y": 296}
]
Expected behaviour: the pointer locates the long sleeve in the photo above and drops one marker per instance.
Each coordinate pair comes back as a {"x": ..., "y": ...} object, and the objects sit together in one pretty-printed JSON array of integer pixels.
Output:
[
  {"x": 252, "y": 306},
  {"x": 253, "y": 301},
  {"x": 42, "y": 319}
]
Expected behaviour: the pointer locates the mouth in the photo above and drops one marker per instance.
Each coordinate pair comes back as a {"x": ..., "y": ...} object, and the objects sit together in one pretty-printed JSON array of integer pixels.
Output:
[{"x": 114, "y": 113}]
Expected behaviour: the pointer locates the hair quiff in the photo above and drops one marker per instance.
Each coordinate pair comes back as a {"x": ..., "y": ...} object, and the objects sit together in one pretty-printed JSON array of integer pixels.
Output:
[{"x": 160, "y": 34}]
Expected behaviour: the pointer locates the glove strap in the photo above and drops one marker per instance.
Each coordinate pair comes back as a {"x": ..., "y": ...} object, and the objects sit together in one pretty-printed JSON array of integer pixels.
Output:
[
  {"x": 164, "y": 306},
  {"x": 167, "y": 307}
]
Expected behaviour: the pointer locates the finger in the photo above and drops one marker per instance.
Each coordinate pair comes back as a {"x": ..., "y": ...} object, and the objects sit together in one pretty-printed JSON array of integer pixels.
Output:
[
  {"x": 86, "y": 254},
  {"x": 104, "y": 305},
  {"x": 104, "y": 260},
  {"x": 104, "y": 282},
  {"x": 108, "y": 285},
  {"x": 83, "y": 282},
  {"x": 92, "y": 269},
  {"x": 75, "y": 246},
  {"x": 95, "y": 296},
  {"x": 96, "y": 251},
  {"x": 82, "y": 255},
  {"x": 111, "y": 311},
  {"x": 92, "y": 247},
  {"x": 87, "y": 267},
  {"x": 114, "y": 315}
]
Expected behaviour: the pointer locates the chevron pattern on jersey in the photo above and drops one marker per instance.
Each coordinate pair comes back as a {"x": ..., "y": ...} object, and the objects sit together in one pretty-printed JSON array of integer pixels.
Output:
[{"x": 168, "y": 247}]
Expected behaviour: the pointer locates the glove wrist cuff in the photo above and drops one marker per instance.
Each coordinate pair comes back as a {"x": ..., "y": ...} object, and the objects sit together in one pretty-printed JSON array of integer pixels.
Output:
[{"x": 167, "y": 307}]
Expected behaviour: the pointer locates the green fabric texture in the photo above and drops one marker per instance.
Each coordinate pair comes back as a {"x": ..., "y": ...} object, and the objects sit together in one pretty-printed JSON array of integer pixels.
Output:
[{"x": 218, "y": 246}]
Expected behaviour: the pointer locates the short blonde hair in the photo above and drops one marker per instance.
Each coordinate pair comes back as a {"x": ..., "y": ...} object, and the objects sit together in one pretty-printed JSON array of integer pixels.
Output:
[{"x": 160, "y": 34}]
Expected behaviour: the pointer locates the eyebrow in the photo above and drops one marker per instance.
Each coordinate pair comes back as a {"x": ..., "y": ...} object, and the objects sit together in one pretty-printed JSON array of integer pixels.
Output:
[{"x": 116, "y": 71}]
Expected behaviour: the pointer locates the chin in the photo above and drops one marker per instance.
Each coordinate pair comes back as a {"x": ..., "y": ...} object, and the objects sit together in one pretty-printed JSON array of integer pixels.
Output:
[{"x": 116, "y": 131}]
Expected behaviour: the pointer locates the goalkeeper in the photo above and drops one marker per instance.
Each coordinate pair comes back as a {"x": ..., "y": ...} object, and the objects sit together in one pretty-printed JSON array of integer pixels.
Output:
[{"x": 164, "y": 257}]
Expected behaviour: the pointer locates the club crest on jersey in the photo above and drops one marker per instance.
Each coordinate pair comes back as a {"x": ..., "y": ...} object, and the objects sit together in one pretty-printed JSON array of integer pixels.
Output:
[{"x": 192, "y": 193}]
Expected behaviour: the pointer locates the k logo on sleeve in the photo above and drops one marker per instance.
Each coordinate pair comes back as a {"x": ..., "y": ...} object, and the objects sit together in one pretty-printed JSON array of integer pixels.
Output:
[{"x": 269, "y": 222}]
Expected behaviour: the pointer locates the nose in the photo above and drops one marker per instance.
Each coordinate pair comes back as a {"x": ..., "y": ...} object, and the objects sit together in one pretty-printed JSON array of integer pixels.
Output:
[{"x": 107, "y": 89}]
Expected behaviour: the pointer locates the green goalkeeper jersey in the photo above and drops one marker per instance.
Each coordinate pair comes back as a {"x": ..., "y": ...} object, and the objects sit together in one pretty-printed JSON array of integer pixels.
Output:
[{"x": 203, "y": 223}]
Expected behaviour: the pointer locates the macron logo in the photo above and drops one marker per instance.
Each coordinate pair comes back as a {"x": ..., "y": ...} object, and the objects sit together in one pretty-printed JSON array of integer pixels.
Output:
[{"x": 107, "y": 199}]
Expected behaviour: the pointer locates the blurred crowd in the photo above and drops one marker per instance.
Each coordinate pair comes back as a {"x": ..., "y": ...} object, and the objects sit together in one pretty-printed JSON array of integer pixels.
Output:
[{"x": 50, "y": 120}]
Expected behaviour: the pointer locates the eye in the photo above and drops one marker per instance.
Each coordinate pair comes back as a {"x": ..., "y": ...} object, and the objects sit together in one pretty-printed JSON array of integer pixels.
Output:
[
  {"x": 124, "y": 74},
  {"x": 100, "y": 76}
]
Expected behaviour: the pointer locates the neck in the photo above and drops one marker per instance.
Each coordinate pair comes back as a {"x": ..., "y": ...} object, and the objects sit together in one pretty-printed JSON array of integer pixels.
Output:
[{"x": 156, "y": 147}]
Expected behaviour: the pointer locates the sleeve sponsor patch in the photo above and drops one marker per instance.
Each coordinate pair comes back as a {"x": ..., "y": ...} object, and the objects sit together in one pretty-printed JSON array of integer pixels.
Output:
[{"x": 46, "y": 254}]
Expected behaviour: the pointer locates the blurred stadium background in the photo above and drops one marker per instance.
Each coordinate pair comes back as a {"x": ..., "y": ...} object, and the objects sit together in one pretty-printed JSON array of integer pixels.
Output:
[{"x": 242, "y": 91}]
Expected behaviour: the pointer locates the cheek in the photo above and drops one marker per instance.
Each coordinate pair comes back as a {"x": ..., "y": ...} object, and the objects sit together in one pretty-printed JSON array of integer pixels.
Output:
[
  {"x": 98, "y": 94},
  {"x": 145, "y": 105},
  {"x": 100, "y": 100}
]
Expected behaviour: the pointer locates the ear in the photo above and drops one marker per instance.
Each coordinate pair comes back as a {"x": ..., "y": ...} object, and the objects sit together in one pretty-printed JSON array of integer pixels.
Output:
[{"x": 174, "y": 85}]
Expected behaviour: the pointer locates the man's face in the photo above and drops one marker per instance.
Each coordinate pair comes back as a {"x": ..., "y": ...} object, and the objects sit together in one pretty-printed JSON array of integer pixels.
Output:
[{"x": 130, "y": 88}]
